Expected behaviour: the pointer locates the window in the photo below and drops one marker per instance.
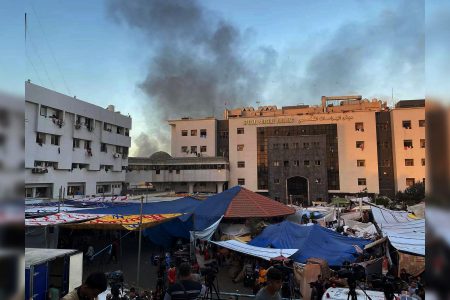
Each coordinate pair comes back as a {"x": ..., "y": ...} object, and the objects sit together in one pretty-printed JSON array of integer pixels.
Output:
[
  {"x": 194, "y": 132},
  {"x": 177, "y": 172},
  {"x": 184, "y": 132},
  {"x": 296, "y": 163},
  {"x": 306, "y": 163},
  {"x": 119, "y": 149},
  {"x": 360, "y": 145},
  {"x": 295, "y": 145},
  {"x": 87, "y": 145},
  {"x": 359, "y": 126},
  {"x": 184, "y": 149},
  {"x": 407, "y": 124},
  {"x": 119, "y": 130},
  {"x": 240, "y": 131},
  {"x": 276, "y": 163},
  {"x": 40, "y": 138},
  {"x": 240, "y": 147},
  {"x": 28, "y": 192},
  {"x": 360, "y": 163},
  {"x": 421, "y": 123},
  {"x": 305, "y": 145},
  {"x": 43, "y": 111},
  {"x": 202, "y": 148},
  {"x": 275, "y": 146},
  {"x": 276, "y": 198},
  {"x": 318, "y": 180},
  {"x": 203, "y": 133},
  {"x": 103, "y": 148},
  {"x": 408, "y": 144},
  {"x": 422, "y": 143},
  {"x": 362, "y": 181},
  {"x": 261, "y": 147},
  {"x": 241, "y": 181},
  {"x": 387, "y": 163},
  {"x": 158, "y": 172},
  {"x": 276, "y": 180},
  {"x": 410, "y": 182},
  {"x": 193, "y": 149},
  {"x": 241, "y": 164},
  {"x": 316, "y": 144},
  {"x": 285, "y": 146},
  {"x": 317, "y": 162},
  {"x": 76, "y": 143},
  {"x": 54, "y": 140},
  {"x": 286, "y": 163},
  {"x": 409, "y": 162},
  {"x": 423, "y": 161}
]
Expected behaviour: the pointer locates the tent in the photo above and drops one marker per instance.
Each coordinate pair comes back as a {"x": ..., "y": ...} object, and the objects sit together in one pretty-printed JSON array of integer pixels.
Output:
[
  {"x": 60, "y": 218},
  {"x": 237, "y": 202},
  {"x": 264, "y": 253},
  {"x": 313, "y": 241},
  {"x": 121, "y": 222}
]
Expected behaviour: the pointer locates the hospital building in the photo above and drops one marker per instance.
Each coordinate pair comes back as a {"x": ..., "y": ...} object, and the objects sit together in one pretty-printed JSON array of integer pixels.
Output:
[{"x": 345, "y": 145}]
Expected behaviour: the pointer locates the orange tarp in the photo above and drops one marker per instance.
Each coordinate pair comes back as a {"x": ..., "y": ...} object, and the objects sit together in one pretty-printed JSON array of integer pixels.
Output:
[{"x": 130, "y": 222}]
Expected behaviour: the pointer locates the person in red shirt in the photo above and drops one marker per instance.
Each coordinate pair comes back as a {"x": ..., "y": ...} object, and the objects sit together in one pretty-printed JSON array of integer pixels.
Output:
[{"x": 172, "y": 275}]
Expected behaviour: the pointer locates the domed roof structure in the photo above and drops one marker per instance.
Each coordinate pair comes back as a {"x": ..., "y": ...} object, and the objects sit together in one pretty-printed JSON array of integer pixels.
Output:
[{"x": 160, "y": 155}]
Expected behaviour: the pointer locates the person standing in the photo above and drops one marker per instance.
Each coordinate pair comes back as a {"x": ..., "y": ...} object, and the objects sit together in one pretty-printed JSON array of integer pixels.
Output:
[
  {"x": 172, "y": 275},
  {"x": 272, "y": 290},
  {"x": 94, "y": 285},
  {"x": 185, "y": 288}
]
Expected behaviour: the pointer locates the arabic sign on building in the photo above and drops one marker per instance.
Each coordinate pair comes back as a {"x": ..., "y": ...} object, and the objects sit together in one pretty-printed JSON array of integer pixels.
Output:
[{"x": 286, "y": 120}]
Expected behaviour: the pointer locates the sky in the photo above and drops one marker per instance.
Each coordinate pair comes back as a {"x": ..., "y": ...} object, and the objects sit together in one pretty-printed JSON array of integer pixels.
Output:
[{"x": 158, "y": 60}]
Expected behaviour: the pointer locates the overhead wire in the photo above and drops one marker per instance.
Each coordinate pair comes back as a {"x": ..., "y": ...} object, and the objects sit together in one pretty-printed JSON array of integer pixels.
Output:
[{"x": 50, "y": 48}]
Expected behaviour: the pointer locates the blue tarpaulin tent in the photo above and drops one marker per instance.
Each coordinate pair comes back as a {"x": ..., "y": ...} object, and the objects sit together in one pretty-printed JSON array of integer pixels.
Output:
[
  {"x": 313, "y": 241},
  {"x": 237, "y": 203},
  {"x": 163, "y": 234},
  {"x": 213, "y": 208}
]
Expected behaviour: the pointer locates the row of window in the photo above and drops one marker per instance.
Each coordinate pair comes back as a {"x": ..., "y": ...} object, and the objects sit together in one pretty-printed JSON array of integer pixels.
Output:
[
  {"x": 296, "y": 163},
  {"x": 203, "y": 132},
  {"x": 408, "y": 144},
  {"x": 193, "y": 149},
  {"x": 285, "y": 146},
  {"x": 177, "y": 167},
  {"x": 408, "y": 125},
  {"x": 119, "y": 130},
  {"x": 409, "y": 162},
  {"x": 361, "y": 181}
]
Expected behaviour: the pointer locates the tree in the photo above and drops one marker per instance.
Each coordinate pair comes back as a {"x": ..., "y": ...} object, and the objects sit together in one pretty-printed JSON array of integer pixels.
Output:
[{"x": 411, "y": 195}]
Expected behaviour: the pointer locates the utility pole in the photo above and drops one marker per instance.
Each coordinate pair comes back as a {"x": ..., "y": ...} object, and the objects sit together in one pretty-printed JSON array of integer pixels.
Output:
[{"x": 140, "y": 241}]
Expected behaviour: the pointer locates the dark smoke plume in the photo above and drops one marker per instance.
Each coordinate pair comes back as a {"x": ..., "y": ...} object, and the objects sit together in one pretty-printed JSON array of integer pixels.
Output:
[{"x": 200, "y": 62}]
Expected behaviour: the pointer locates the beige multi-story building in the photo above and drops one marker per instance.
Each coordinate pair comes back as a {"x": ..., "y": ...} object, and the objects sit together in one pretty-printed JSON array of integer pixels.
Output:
[{"x": 345, "y": 145}]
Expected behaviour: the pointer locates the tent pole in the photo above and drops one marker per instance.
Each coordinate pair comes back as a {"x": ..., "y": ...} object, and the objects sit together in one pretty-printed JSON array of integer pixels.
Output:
[{"x": 139, "y": 246}]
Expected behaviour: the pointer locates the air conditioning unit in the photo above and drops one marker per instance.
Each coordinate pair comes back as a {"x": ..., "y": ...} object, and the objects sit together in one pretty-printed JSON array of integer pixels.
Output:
[
  {"x": 77, "y": 125},
  {"x": 116, "y": 155}
]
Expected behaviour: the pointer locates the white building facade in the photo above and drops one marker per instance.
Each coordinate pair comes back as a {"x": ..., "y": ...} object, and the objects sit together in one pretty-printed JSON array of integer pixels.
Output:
[{"x": 72, "y": 147}]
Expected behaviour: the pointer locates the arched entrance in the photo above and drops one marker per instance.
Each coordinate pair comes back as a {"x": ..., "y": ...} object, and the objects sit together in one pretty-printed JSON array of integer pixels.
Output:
[{"x": 297, "y": 190}]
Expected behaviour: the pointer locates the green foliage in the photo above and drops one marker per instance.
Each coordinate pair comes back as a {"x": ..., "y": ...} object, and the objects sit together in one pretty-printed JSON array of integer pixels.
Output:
[{"x": 411, "y": 195}]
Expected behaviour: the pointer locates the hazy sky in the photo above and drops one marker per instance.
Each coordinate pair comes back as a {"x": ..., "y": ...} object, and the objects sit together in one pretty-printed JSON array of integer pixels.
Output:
[{"x": 160, "y": 59}]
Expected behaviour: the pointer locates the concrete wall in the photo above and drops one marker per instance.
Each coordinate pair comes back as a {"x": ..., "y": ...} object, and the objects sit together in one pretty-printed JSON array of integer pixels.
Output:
[
  {"x": 65, "y": 154},
  {"x": 400, "y": 134},
  {"x": 177, "y": 140}
]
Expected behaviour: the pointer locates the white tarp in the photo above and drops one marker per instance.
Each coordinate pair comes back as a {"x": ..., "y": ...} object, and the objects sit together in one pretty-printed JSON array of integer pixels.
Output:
[
  {"x": 206, "y": 234},
  {"x": 408, "y": 237},
  {"x": 60, "y": 218},
  {"x": 404, "y": 231},
  {"x": 363, "y": 230},
  {"x": 264, "y": 253},
  {"x": 386, "y": 216},
  {"x": 234, "y": 229}
]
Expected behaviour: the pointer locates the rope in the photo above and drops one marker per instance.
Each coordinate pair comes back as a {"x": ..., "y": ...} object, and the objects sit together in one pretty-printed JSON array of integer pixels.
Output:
[{"x": 110, "y": 245}]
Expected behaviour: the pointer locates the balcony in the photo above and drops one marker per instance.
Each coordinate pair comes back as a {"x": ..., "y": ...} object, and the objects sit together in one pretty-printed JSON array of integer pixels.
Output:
[
  {"x": 51, "y": 125},
  {"x": 113, "y": 138}
]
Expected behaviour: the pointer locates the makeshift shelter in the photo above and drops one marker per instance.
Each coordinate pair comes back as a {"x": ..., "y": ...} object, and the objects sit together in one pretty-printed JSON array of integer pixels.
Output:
[
  {"x": 237, "y": 203},
  {"x": 60, "y": 218},
  {"x": 264, "y": 253},
  {"x": 121, "y": 222},
  {"x": 404, "y": 230},
  {"x": 313, "y": 241}
]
